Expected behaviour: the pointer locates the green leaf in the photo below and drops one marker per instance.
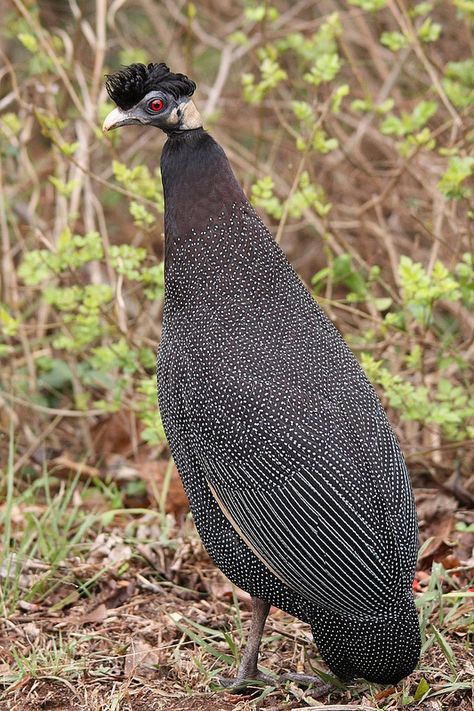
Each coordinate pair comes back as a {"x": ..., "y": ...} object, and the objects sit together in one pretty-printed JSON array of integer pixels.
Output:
[
  {"x": 409, "y": 123},
  {"x": 422, "y": 689},
  {"x": 141, "y": 182},
  {"x": 132, "y": 56},
  {"x": 465, "y": 7},
  {"x": 458, "y": 170},
  {"x": 337, "y": 97},
  {"x": 369, "y": 5},
  {"x": 322, "y": 144},
  {"x": 458, "y": 82},
  {"x": 394, "y": 40},
  {"x": 255, "y": 14},
  {"x": 68, "y": 149},
  {"x": 262, "y": 196},
  {"x": 141, "y": 216},
  {"x": 385, "y": 106},
  {"x": 29, "y": 41},
  {"x": 324, "y": 69},
  {"x": 55, "y": 373},
  {"x": 303, "y": 111},
  {"x": 429, "y": 31},
  {"x": 422, "y": 8},
  {"x": 382, "y": 303},
  {"x": 63, "y": 189},
  {"x": 35, "y": 267},
  {"x": 10, "y": 124},
  {"x": 153, "y": 279},
  {"x": 321, "y": 276},
  {"x": 272, "y": 75},
  {"x": 118, "y": 355},
  {"x": 127, "y": 260},
  {"x": 238, "y": 38},
  {"x": 362, "y": 105},
  {"x": 9, "y": 325}
]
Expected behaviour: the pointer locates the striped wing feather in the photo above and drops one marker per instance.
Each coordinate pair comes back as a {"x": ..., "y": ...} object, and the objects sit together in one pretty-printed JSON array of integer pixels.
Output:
[{"x": 335, "y": 530}]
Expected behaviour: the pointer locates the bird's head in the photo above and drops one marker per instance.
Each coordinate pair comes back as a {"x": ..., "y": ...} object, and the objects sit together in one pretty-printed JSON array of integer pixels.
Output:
[{"x": 151, "y": 95}]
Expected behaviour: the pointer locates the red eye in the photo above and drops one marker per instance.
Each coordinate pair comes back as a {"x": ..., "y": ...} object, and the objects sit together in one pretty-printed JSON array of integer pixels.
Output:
[{"x": 156, "y": 105}]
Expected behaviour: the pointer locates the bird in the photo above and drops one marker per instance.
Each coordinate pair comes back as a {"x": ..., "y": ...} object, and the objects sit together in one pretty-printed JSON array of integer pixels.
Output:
[{"x": 295, "y": 478}]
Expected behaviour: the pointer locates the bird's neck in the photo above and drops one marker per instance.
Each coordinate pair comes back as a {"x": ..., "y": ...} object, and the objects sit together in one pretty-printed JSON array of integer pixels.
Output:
[{"x": 198, "y": 185}]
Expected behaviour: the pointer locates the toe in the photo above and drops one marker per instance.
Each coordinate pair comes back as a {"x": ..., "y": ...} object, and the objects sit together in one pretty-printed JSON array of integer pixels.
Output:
[
  {"x": 241, "y": 685},
  {"x": 320, "y": 688}
]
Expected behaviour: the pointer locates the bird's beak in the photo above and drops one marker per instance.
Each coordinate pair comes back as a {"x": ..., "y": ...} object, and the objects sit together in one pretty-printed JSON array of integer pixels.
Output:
[{"x": 117, "y": 118}]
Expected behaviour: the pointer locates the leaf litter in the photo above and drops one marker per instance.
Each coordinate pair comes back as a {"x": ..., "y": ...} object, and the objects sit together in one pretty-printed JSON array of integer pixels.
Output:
[{"x": 136, "y": 616}]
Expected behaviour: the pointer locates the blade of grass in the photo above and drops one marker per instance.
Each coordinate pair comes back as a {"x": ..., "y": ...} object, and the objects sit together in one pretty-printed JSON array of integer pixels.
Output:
[{"x": 446, "y": 649}]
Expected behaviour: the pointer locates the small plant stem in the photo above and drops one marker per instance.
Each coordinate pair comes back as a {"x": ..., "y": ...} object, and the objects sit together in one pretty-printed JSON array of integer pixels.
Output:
[
  {"x": 294, "y": 186},
  {"x": 401, "y": 15}
]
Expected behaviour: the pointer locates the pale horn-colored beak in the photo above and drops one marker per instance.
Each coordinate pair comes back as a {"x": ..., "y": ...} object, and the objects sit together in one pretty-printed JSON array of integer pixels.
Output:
[{"x": 117, "y": 118}]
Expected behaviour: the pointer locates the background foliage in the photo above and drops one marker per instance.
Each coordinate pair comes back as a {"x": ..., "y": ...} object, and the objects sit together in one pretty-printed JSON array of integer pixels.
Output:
[{"x": 350, "y": 125}]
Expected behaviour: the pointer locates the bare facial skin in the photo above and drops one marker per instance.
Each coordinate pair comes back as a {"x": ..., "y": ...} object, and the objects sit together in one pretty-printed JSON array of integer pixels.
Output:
[
  {"x": 191, "y": 116},
  {"x": 183, "y": 116}
]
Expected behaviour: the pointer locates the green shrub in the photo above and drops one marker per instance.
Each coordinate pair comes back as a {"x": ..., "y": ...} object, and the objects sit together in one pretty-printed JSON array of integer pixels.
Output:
[{"x": 356, "y": 148}]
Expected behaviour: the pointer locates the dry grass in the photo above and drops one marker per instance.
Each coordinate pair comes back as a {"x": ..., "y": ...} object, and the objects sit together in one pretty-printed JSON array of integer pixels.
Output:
[{"x": 131, "y": 613}]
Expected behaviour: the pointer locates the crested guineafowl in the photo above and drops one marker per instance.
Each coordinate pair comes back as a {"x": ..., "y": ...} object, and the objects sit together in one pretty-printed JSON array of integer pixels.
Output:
[{"x": 295, "y": 479}]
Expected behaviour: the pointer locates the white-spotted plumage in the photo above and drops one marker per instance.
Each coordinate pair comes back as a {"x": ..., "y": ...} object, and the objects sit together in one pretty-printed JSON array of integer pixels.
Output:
[{"x": 295, "y": 478}]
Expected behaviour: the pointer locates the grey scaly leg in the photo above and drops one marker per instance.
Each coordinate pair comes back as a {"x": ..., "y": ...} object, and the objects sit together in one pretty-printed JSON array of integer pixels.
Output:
[{"x": 248, "y": 670}]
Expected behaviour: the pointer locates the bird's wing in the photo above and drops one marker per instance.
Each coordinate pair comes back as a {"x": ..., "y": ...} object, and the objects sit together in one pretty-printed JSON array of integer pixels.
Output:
[{"x": 332, "y": 518}]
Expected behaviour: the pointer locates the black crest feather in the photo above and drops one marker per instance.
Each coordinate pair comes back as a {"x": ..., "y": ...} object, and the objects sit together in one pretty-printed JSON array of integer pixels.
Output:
[{"x": 127, "y": 86}]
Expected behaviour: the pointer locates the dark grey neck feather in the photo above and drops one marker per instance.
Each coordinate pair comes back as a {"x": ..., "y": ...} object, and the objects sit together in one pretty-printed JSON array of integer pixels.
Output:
[{"x": 198, "y": 183}]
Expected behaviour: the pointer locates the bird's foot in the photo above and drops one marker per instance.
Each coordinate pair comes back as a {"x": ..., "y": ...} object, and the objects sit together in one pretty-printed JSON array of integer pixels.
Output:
[
  {"x": 249, "y": 682},
  {"x": 319, "y": 687}
]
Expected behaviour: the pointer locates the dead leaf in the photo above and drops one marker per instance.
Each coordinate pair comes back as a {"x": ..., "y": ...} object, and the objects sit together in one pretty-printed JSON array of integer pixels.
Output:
[
  {"x": 109, "y": 548},
  {"x": 97, "y": 614},
  {"x": 464, "y": 610},
  {"x": 153, "y": 473},
  {"x": 120, "y": 469},
  {"x": 28, "y": 606},
  {"x": 123, "y": 590},
  {"x": 142, "y": 660},
  {"x": 15, "y": 567},
  {"x": 114, "y": 434},
  {"x": 449, "y": 562},
  {"x": 385, "y": 692},
  {"x": 441, "y": 544},
  {"x": 31, "y": 631},
  {"x": 459, "y": 488},
  {"x": 433, "y": 503}
]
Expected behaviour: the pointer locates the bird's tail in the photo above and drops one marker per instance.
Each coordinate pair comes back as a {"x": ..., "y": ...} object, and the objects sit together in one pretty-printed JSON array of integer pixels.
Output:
[{"x": 383, "y": 651}]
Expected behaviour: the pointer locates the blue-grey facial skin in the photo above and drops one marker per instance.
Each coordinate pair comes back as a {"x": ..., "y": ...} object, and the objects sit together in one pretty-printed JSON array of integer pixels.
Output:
[{"x": 176, "y": 115}]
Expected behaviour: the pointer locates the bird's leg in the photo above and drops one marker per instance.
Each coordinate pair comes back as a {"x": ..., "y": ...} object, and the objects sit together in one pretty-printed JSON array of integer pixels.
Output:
[{"x": 248, "y": 670}]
